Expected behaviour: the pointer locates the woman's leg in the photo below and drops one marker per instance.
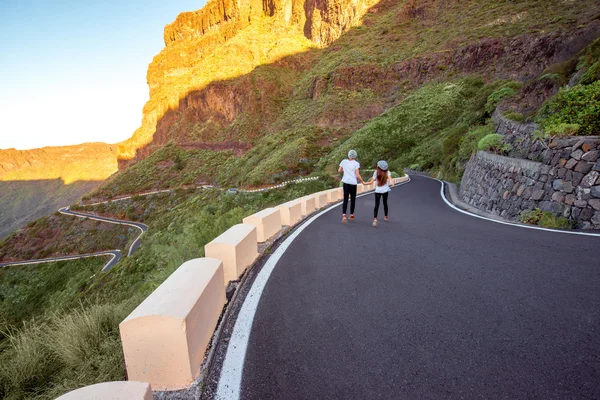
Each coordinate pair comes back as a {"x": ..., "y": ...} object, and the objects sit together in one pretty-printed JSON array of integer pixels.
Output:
[
  {"x": 352, "y": 198},
  {"x": 385, "y": 206},
  {"x": 377, "y": 199},
  {"x": 346, "y": 195}
]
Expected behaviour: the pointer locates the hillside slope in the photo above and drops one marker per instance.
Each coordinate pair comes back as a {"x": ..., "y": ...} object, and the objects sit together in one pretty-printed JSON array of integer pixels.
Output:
[{"x": 272, "y": 95}]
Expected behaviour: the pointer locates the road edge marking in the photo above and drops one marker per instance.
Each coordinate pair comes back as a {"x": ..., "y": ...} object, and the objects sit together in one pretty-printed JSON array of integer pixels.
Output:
[
  {"x": 230, "y": 380},
  {"x": 539, "y": 228}
]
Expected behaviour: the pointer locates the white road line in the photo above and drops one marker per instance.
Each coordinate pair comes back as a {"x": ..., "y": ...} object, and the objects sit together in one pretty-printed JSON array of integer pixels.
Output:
[
  {"x": 233, "y": 366},
  {"x": 66, "y": 258},
  {"x": 508, "y": 223},
  {"x": 67, "y": 211}
]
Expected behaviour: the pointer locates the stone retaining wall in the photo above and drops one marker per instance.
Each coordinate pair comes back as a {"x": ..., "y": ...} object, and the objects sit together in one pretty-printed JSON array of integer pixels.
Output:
[
  {"x": 507, "y": 126},
  {"x": 566, "y": 181}
]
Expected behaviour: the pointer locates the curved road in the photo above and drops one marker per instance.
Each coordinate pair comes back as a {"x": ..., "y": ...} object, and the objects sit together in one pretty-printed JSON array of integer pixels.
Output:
[
  {"x": 116, "y": 254},
  {"x": 115, "y": 257},
  {"x": 136, "y": 243},
  {"x": 433, "y": 304}
]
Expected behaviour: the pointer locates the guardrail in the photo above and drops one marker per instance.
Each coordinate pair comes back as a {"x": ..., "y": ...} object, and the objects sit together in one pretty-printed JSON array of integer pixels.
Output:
[{"x": 166, "y": 337}]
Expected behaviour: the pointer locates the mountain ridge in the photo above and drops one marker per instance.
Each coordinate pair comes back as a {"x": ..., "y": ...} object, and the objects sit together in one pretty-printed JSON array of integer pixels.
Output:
[{"x": 38, "y": 181}]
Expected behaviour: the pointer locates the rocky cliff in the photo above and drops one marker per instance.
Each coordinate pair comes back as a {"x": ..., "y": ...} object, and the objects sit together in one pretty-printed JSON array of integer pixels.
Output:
[
  {"x": 233, "y": 72},
  {"x": 228, "y": 39},
  {"x": 36, "y": 182},
  {"x": 84, "y": 162}
]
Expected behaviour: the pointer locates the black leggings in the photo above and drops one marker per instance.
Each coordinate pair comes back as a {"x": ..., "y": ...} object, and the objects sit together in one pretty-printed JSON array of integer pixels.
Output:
[
  {"x": 349, "y": 191},
  {"x": 377, "y": 199}
]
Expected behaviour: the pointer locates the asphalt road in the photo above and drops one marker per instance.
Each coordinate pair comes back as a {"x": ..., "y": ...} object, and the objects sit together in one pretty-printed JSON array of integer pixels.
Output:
[
  {"x": 433, "y": 304},
  {"x": 116, "y": 256},
  {"x": 134, "y": 245}
]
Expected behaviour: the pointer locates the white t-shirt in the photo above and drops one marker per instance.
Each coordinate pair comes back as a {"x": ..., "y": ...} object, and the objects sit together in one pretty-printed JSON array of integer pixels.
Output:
[
  {"x": 382, "y": 189},
  {"x": 350, "y": 167}
]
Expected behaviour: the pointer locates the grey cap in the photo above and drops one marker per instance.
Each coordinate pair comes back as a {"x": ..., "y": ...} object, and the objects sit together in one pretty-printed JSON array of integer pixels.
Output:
[
  {"x": 352, "y": 154},
  {"x": 382, "y": 165}
]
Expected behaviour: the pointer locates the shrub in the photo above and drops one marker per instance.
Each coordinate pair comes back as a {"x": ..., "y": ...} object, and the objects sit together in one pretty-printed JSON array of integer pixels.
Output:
[
  {"x": 550, "y": 220},
  {"x": 562, "y": 130},
  {"x": 495, "y": 98},
  {"x": 68, "y": 351},
  {"x": 423, "y": 131},
  {"x": 469, "y": 142},
  {"x": 591, "y": 75},
  {"x": 531, "y": 217},
  {"x": 545, "y": 219},
  {"x": 577, "y": 105},
  {"x": 515, "y": 116},
  {"x": 493, "y": 142}
]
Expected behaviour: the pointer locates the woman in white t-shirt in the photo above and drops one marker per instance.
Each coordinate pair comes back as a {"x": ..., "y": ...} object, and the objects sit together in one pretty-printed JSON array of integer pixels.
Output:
[
  {"x": 350, "y": 168},
  {"x": 384, "y": 182}
]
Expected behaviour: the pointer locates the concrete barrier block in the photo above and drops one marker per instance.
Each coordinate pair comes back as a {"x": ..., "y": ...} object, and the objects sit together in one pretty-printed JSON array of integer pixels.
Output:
[
  {"x": 360, "y": 188},
  {"x": 267, "y": 222},
  {"x": 291, "y": 212},
  {"x": 236, "y": 247},
  {"x": 334, "y": 195},
  {"x": 320, "y": 199},
  {"x": 165, "y": 338},
  {"x": 307, "y": 205},
  {"x": 129, "y": 390}
]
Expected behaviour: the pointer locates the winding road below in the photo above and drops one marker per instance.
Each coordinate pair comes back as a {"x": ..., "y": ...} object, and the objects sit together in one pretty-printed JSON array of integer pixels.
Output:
[
  {"x": 116, "y": 254},
  {"x": 433, "y": 304}
]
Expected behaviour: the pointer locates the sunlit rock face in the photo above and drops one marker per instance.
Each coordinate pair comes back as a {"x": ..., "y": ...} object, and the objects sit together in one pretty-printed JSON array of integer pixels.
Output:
[
  {"x": 34, "y": 183},
  {"x": 84, "y": 162},
  {"x": 225, "y": 40}
]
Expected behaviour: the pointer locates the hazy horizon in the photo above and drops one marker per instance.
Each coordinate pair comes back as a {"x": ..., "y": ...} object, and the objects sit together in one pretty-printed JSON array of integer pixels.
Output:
[{"x": 75, "y": 72}]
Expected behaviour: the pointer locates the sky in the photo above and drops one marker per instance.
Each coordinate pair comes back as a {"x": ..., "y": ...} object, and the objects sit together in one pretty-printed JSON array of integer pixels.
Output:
[{"x": 74, "y": 71}]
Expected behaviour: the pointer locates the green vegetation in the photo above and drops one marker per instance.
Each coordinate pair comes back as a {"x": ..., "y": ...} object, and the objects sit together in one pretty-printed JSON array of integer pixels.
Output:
[
  {"x": 168, "y": 167},
  {"x": 469, "y": 142},
  {"x": 589, "y": 63},
  {"x": 493, "y": 142},
  {"x": 515, "y": 116},
  {"x": 575, "y": 110},
  {"x": 591, "y": 75},
  {"x": 497, "y": 96},
  {"x": 577, "y": 105},
  {"x": 545, "y": 219},
  {"x": 29, "y": 291},
  {"x": 39, "y": 362},
  {"x": 66, "y": 350},
  {"x": 432, "y": 129}
]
